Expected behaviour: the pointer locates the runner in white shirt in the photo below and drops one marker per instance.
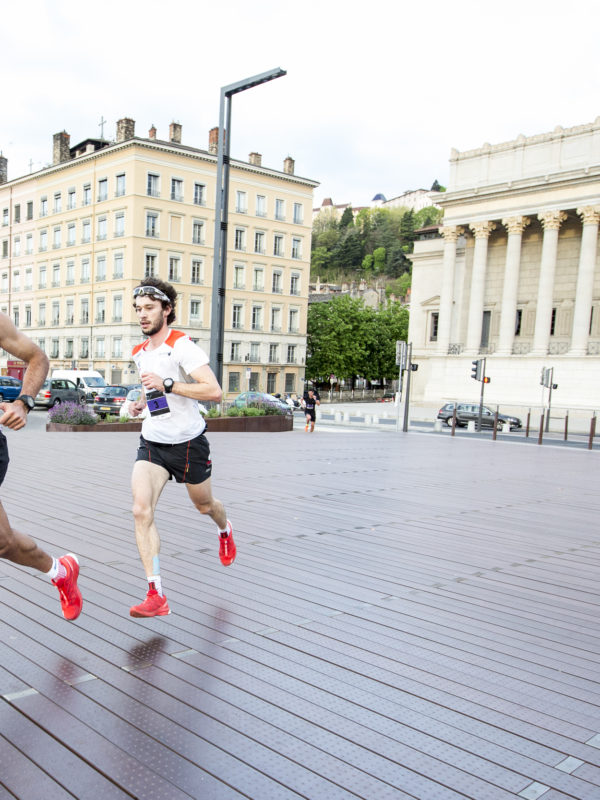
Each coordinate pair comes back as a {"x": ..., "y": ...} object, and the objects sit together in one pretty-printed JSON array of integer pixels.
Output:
[{"x": 175, "y": 375}]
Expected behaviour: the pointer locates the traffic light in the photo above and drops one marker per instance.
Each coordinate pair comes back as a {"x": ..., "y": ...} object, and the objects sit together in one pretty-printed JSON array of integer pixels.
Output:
[
  {"x": 487, "y": 380},
  {"x": 477, "y": 369},
  {"x": 414, "y": 367}
]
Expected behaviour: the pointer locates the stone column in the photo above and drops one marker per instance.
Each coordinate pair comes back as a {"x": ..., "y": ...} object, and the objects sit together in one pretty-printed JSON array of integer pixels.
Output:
[
  {"x": 481, "y": 231},
  {"x": 450, "y": 234},
  {"x": 585, "y": 280},
  {"x": 508, "y": 313},
  {"x": 551, "y": 221}
]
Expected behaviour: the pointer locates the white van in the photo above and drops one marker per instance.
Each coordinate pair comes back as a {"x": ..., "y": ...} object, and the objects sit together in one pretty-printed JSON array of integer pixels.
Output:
[{"x": 87, "y": 379}]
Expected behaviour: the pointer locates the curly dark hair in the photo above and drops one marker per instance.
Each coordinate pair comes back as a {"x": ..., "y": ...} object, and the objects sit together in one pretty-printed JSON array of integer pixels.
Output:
[{"x": 168, "y": 289}]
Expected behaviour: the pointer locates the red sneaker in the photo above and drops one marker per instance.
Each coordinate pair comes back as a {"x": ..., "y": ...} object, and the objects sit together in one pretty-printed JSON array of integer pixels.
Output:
[
  {"x": 71, "y": 601},
  {"x": 227, "y": 548},
  {"x": 153, "y": 606}
]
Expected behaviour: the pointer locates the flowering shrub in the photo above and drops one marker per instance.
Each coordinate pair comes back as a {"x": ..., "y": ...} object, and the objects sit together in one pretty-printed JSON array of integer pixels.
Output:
[{"x": 72, "y": 414}]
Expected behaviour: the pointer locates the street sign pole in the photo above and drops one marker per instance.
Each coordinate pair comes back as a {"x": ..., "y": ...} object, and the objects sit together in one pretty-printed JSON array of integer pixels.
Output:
[
  {"x": 401, "y": 363},
  {"x": 549, "y": 382},
  {"x": 481, "y": 397},
  {"x": 407, "y": 394}
]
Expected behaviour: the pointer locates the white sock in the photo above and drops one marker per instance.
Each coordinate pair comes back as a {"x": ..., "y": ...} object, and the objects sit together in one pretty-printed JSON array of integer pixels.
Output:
[
  {"x": 226, "y": 531},
  {"x": 57, "y": 570},
  {"x": 156, "y": 581}
]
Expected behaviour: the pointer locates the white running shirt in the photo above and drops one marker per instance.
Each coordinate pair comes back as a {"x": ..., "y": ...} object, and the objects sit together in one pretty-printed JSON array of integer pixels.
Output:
[{"x": 176, "y": 358}]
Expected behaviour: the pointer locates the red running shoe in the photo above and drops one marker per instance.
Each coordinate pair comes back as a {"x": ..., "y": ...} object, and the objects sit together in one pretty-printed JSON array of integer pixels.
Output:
[
  {"x": 227, "y": 548},
  {"x": 153, "y": 606},
  {"x": 71, "y": 601}
]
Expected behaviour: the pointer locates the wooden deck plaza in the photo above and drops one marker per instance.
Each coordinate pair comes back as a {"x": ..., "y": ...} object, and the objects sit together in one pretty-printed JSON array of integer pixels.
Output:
[{"x": 409, "y": 616}]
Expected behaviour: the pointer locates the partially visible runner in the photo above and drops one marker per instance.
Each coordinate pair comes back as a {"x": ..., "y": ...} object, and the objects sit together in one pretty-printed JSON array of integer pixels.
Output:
[
  {"x": 310, "y": 401},
  {"x": 175, "y": 375},
  {"x": 14, "y": 546}
]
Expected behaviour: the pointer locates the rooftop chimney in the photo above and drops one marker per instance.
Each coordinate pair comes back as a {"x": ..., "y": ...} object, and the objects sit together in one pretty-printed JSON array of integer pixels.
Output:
[
  {"x": 175, "y": 132},
  {"x": 288, "y": 165},
  {"x": 213, "y": 140},
  {"x": 3, "y": 169},
  {"x": 61, "y": 150},
  {"x": 152, "y": 133},
  {"x": 125, "y": 129},
  {"x": 255, "y": 159}
]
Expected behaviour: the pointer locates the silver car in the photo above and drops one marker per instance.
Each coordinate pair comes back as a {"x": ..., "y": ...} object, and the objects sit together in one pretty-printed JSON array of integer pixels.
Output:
[{"x": 58, "y": 390}]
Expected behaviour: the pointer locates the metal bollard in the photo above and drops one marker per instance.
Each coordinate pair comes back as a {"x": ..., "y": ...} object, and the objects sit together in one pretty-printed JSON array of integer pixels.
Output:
[
  {"x": 495, "y": 432},
  {"x": 541, "y": 433},
  {"x": 528, "y": 422},
  {"x": 454, "y": 420},
  {"x": 592, "y": 432},
  {"x": 566, "y": 425}
]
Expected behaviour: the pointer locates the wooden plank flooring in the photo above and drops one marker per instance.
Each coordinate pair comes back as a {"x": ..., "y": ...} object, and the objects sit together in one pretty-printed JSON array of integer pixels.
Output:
[{"x": 409, "y": 616}]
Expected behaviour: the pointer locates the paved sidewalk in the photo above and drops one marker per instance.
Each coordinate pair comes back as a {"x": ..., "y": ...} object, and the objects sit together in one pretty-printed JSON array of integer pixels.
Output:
[{"x": 408, "y": 616}]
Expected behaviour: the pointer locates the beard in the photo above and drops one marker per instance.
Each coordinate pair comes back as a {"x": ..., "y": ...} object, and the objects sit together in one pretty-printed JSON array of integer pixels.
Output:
[{"x": 156, "y": 328}]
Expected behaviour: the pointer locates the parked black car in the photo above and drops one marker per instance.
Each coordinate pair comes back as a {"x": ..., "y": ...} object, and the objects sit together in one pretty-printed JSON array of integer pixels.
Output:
[
  {"x": 465, "y": 412},
  {"x": 110, "y": 399}
]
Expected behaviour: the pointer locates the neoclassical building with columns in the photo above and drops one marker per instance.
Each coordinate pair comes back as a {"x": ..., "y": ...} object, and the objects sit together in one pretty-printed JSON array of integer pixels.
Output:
[{"x": 512, "y": 274}]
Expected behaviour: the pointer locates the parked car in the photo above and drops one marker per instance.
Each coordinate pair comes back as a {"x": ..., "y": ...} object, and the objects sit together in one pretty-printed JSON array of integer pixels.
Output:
[
  {"x": 10, "y": 388},
  {"x": 259, "y": 399},
  {"x": 465, "y": 412},
  {"x": 110, "y": 400},
  {"x": 58, "y": 390},
  {"x": 133, "y": 395}
]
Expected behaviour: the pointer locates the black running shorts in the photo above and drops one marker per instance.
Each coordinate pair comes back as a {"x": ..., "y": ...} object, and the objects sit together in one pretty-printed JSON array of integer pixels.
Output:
[
  {"x": 188, "y": 462},
  {"x": 3, "y": 457}
]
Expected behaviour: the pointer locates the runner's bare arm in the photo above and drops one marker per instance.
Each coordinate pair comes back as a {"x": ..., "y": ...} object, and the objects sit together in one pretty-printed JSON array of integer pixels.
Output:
[
  {"x": 206, "y": 386},
  {"x": 21, "y": 346}
]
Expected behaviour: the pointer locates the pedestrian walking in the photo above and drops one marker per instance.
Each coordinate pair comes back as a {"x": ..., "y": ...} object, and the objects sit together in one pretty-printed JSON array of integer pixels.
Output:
[
  {"x": 310, "y": 401},
  {"x": 14, "y": 546},
  {"x": 175, "y": 376}
]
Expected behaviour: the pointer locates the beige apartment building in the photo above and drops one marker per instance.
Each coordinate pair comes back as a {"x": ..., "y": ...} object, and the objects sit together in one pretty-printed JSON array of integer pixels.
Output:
[{"x": 77, "y": 236}]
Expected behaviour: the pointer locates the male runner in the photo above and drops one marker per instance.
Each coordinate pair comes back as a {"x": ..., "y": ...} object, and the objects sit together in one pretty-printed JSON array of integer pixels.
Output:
[
  {"x": 175, "y": 375},
  {"x": 310, "y": 401},
  {"x": 15, "y": 546}
]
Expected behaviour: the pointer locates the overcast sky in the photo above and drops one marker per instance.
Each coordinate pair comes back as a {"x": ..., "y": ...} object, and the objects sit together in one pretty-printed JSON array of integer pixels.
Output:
[{"x": 376, "y": 93}]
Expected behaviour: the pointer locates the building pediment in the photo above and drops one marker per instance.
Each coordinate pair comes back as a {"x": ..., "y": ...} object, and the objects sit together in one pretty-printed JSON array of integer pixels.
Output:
[{"x": 432, "y": 301}]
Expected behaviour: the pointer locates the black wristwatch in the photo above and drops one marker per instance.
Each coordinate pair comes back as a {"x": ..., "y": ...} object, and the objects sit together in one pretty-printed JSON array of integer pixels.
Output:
[
  {"x": 168, "y": 385},
  {"x": 27, "y": 401}
]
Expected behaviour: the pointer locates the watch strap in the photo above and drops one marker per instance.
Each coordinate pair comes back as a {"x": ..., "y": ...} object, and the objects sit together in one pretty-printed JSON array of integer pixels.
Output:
[{"x": 27, "y": 401}]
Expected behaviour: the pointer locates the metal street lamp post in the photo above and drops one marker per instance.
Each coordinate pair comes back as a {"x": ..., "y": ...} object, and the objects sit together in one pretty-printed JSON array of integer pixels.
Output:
[{"x": 217, "y": 327}]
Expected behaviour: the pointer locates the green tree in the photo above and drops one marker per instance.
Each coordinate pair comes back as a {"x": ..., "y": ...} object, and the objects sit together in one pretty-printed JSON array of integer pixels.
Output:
[
  {"x": 334, "y": 339},
  {"x": 348, "y": 254},
  {"x": 347, "y": 219},
  {"x": 379, "y": 257},
  {"x": 328, "y": 238},
  {"x": 320, "y": 260},
  {"x": 430, "y": 215},
  {"x": 382, "y": 328}
]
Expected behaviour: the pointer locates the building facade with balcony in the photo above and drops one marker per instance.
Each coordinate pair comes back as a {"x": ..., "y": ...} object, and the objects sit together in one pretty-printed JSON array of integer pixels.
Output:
[
  {"x": 512, "y": 274},
  {"x": 79, "y": 235}
]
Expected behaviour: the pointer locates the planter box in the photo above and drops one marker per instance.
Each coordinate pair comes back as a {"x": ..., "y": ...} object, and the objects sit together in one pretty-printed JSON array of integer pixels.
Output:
[
  {"x": 271, "y": 423},
  {"x": 100, "y": 427}
]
